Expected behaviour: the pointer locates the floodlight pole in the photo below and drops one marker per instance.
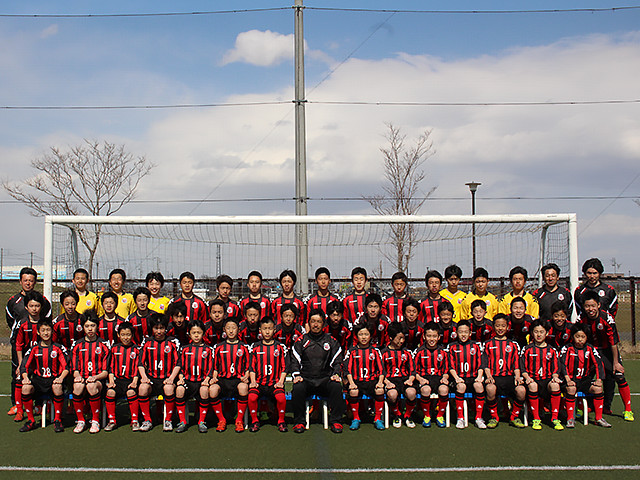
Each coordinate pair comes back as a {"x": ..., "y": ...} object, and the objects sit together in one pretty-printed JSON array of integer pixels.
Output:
[
  {"x": 473, "y": 187},
  {"x": 302, "y": 242}
]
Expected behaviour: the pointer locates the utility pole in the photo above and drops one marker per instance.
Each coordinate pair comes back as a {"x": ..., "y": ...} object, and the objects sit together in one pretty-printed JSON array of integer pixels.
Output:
[
  {"x": 302, "y": 242},
  {"x": 473, "y": 187}
]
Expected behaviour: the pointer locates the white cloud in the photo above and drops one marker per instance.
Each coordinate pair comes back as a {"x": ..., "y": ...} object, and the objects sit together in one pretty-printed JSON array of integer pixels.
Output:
[
  {"x": 49, "y": 31},
  {"x": 261, "y": 48}
]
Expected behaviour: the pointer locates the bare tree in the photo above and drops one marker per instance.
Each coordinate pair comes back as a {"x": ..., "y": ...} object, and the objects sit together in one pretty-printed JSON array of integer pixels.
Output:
[
  {"x": 403, "y": 173},
  {"x": 94, "y": 178}
]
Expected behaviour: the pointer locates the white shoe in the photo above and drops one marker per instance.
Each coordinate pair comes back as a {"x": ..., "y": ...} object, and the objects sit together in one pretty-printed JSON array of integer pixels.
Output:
[
  {"x": 168, "y": 426},
  {"x": 79, "y": 427},
  {"x": 95, "y": 427},
  {"x": 480, "y": 424},
  {"x": 460, "y": 423},
  {"x": 146, "y": 426},
  {"x": 409, "y": 423},
  {"x": 397, "y": 422}
]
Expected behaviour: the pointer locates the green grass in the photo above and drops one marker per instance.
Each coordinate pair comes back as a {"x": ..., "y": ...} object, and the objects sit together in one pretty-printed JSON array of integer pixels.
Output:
[{"x": 318, "y": 448}]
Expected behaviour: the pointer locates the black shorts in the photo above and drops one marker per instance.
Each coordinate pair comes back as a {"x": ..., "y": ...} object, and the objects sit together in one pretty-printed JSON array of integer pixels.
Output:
[
  {"x": 192, "y": 389},
  {"x": 468, "y": 381},
  {"x": 399, "y": 384},
  {"x": 505, "y": 386},
  {"x": 583, "y": 385},
  {"x": 606, "y": 354},
  {"x": 543, "y": 388},
  {"x": 266, "y": 391},
  {"x": 42, "y": 385},
  {"x": 366, "y": 387},
  {"x": 157, "y": 386},
  {"x": 228, "y": 387},
  {"x": 122, "y": 387}
]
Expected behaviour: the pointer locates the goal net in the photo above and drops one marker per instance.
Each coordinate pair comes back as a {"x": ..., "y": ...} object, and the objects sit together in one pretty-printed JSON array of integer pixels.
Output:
[{"x": 208, "y": 246}]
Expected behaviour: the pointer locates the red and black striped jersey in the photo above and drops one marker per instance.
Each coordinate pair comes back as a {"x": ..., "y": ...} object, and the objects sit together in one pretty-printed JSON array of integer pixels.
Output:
[
  {"x": 601, "y": 332},
  {"x": 465, "y": 358},
  {"x": 431, "y": 361},
  {"x": 288, "y": 336},
  {"x": 397, "y": 363},
  {"x": 46, "y": 361},
  {"x": 448, "y": 333},
  {"x": 519, "y": 331},
  {"x": 65, "y": 331},
  {"x": 124, "y": 360},
  {"x": 16, "y": 311},
  {"x": 231, "y": 360},
  {"x": 539, "y": 362},
  {"x": 379, "y": 337},
  {"x": 196, "y": 362},
  {"x": 607, "y": 294},
  {"x": 546, "y": 298},
  {"x": 278, "y": 303},
  {"x": 392, "y": 308},
  {"x": 559, "y": 337},
  {"x": 196, "y": 308},
  {"x": 247, "y": 334},
  {"x": 341, "y": 334},
  {"x": 213, "y": 333},
  {"x": 264, "y": 302},
  {"x": 268, "y": 362},
  {"x": 363, "y": 364},
  {"x": 108, "y": 329},
  {"x": 483, "y": 332},
  {"x": 159, "y": 358},
  {"x": 89, "y": 357},
  {"x": 413, "y": 336},
  {"x": 318, "y": 301},
  {"x": 231, "y": 308},
  {"x": 26, "y": 335},
  {"x": 179, "y": 332},
  {"x": 582, "y": 362},
  {"x": 353, "y": 307},
  {"x": 429, "y": 308},
  {"x": 140, "y": 323},
  {"x": 501, "y": 356}
]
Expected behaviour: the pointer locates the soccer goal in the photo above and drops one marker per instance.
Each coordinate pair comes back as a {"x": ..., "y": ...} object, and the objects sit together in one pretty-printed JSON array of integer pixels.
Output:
[{"x": 211, "y": 245}]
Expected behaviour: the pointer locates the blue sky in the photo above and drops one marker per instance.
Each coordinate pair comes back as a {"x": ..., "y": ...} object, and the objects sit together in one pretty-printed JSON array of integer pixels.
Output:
[{"x": 531, "y": 151}]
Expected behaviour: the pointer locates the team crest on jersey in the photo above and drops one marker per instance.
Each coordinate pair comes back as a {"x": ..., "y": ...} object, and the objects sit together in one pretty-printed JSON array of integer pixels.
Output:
[
  {"x": 133, "y": 354},
  {"x": 167, "y": 349},
  {"x": 79, "y": 328},
  {"x": 508, "y": 348},
  {"x": 561, "y": 296},
  {"x": 600, "y": 326},
  {"x": 54, "y": 354},
  {"x": 161, "y": 307},
  {"x": 454, "y": 335},
  {"x": 239, "y": 354},
  {"x": 601, "y": 293},
  {"x": 380, "y": 327},
  {"x": 262, "y": 305},
  {"x": 204, "y": 354},
  {"x": 549, "y": 355},
  {"x": 525, "y": 329},
  {"x": 586, "y": 354},
  {"x": 403, "y": 357},
  {"x": 276, "y": 353},
  {"x": 229, "y": 309},
  {"x": 439, "y": 357},
  {"x": 565, "y": 336},
  {"x": 195, "y": 305},
  {"x": 372, "y": 356},
  {"x": 326, "y": 346},
  {"x": 124, "y": 300},
  {"x": 472, "y": 351},
  {"x": 98, "y": 350},
  {"x": 88, "y": 303},
  {"x": 459, "y": 301}
]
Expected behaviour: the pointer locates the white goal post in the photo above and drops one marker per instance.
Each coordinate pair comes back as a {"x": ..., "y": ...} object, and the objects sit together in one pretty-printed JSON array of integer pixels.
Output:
[{"x": 267, "y": 243}]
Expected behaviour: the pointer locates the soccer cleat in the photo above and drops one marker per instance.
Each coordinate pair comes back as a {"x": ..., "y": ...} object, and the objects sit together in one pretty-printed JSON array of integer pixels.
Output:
[
  {"x": 409, "y": 423},
  {"x": 181, "y": 427},
  {"x": 167, "y": 426},
  {"x": 355, "y": 425},
  {"x": 299, "y": 428},
  {"x": 58, "y": 427},
  {"x": 536, "y": 424},
  {"x": 282, "y": 427},
  {"x": 557, "y": 425},
  {"x": 571, "y": 423},
  {"x": 239, "y": 426},
  {"x": 397, "y": 422},
  {"x": 516, "y": 422},
  {"x": 379, "y": 424},
  {"x": 480, "y": 424},
  {"x": 460, "y": 424},
  {"x": 426, "y": 422},
  {"x": 19, "y": 416},
  {"x": 95, "y": 427},
  {"x": 110, "y": 427},
  {"x": 440, "y": 422},
  {"x": 492, "y": 423},
  {"x": 602, "y": 423},
  {"x": 336, "y": 428},
  {"x": 255, "y": 427},
  {"x": 27, "y": 427},
  {"x": 79, "y": 427},
  {"x": 222, "y": 426},
  {"x": 628, "y": 415},
  {"x": 202, "y": 427},
  {"x": 135, "y": 426},
  {"x": 13, "y": 410},
  {"x": 146, "y": 426}
]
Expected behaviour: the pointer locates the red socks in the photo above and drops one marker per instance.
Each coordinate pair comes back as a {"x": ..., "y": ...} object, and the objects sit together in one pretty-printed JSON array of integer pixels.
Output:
[
  {"x": 354, "y": 405},
  {"x": 625, "y": 394}
]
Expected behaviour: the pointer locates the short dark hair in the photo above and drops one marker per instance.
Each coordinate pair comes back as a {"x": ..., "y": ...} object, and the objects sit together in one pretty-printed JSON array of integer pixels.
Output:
[
  {"x": 224, "y": 279},
  {"x": 141, "y": 291},
  {"x": 317, "y": 311},
  {"x": 177, "y": 307},
  {"x": 233, "y": 319},
  {"x": 500, "y": 316},
  {"x": 399, "y": 276},
  {"x": 361, "y": 326},
  {"x": 479, "y": 303},
  {"x": 559, "y": 307},
  {"x": 218, "y": 302},
  {"x": 550, "y": 266},
  {"x": 322, "y": 270},
  {"x": 593, "y": 263},
  {"x": 463, "y": 323},
  {"x": 125, "y": 326},
  {"x": 591, "y": 295},
  {"x": 480, "y": 272},
  {"x": 251, "y": 304},
  {"x": 518, "y": 270},
  {"x": 373, "y": 297},
  {"x": 89, "y": 316},
  {"x": 358, "y": 270},
  {"x": 117, "y": 271},
  {"x": 195, "y": 323},
  {"x": 518, "y": 300},
  {"x": 445, "y": 306},
  {"x": 44, "y": 321},
  {"x": 335, "y": 307},
  {"x": 452, "y": 270},
  {"x": 288, "y": 273},
  {"x": 267, "y": 319},
  {"x": 28, "y": 271},
  {"x": 410, "y": 302},
  {"x": 69, "y": 293},
  {"x": 80, "y": 270},
  {"x": 538, "y": 322},
  {"x": 431, "y": 326},
  {"x": 578, "y": 327},
  {"x": 154, "y": 276},
  {"x": 254, "y": 273},
  {"x": 188, "y": 275},
  {"x": 156, "y": 319},
  {"x": 432, "y": 274},
  {"x": 395, "y": 328},
  {"x": 289, "y": 307},
  {"x": 110, "y": 295}
]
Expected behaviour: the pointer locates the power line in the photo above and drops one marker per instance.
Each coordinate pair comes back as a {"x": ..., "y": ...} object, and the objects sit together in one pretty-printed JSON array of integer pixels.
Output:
[
  {"x": 474, "y": 12},
  {"x": 478, "y": 104},
  {"x": 141, "y": 107},
  {"x": 149, "y": 14}
]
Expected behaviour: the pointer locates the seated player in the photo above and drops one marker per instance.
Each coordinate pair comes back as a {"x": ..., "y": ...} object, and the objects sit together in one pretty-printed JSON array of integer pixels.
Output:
[
  {"x": 43, "y": 372},
  {"x": 429, "y": 306},
  {"x": 448, "y": 334},
  {"x": 583, "y": 373},
  {"x": 224, "y": 284},
  {"x": 88, "y": 366},
  {"x": 86, "y": 300},
  {"x": 481, "y": 326},
  {"x": 230, "y": 375},
  {"x": 323, "y": 297},
  {"x": 336, "y": 326},
  {"x": 159, "y": 368},
  {"x": 288, "y": 331},
  {"x": 157, "y": 302},
  {"x": 603, "y": 334},
  {"x": 254, "y": 284},
  {"x": 432, "y": 374},
  {"x": 467, "y": 374},
  {"x": 287, "y": 281},
  {"x": 375, "y": 320},
  {"x": 196, "y": 308},
  {"x": 551, "y": 292},
  {"x": 518, "y": 277},
  {"x": 501, "y": 358},
  {"x": 392, "y": 306},
  {"x": 249, "y": 329},
  {"x": 214, "y": 331},
  {"x": 593, "y": 270},
  {"x": 397, "y": 363},
  {"x": 354, "y": 303},
  {"x": 365, "y": 376},
  {"x": 109, "y": 321},
  {"x": 124, "y": 301},
  {"x": 122, "y": 365},
  {"x": 560, "y": 333},
  {"x": 519, "y": 322},
  {"x": 413, "y": 326},
  {"x": 455, "y": 296},
  {"x": 540, "y": 369},
  {"x": 66, "y": 327},
  {"x": 178, "y": 326},
  {"x": 479, "y": 292},
  {"x": 139, "y": 319},
  {"x": 196, "y": 368},
  {"x": 267, "y": 372}
]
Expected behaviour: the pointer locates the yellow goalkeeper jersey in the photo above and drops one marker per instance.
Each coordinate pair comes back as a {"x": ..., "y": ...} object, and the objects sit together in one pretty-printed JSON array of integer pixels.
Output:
[
  {"x": 88, "y": 301},
  {"x": 488, "y": 298},
  {"x": 126, "y": 306},
  {"x": 455, "y": 299},
  {"x": 533, "y": 308},
  {"x": 159, "y": 304}
]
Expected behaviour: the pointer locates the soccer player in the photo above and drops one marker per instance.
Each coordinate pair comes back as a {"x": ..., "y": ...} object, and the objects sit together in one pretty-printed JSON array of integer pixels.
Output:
[
  {"x": 267, "y": 372},
  {"x": 413, "y": 326},
  {"x": 196, "y": 368},
  {"x": 392, "y": 306},
  {"x": 110, "y": 320},
  {"x": 501, "y": 358},
  {"x": 448, "y": 334},
  {"x": 124, "y": 302},
  {"x": 398, "y": 368},
  {"x": 540, "y": 368},
  {"x": 481, "y": 326},
  {"x": 518, "y": 277},
  {"x": 249, "y": 330},
  {"x": 551, "y": 292},
  {"x": 140, "y": 318},
  {"x": 230, "y": 375},
  {"x": 43, "y": 371},
  {"x": 287, "y": 281},
  {"x": 214, "y": 331},
  {"x": 159, "y": 368},
  {"x": 453, "y": 275},
  {"x": 196, "y": 308},
  {"x": 519, "y": 322},
  {"x": 315, "y": 366},
  {"x": 89, "y": 369},
  {"x": 224, "y": 284},
  {"x": 592, "y": 270},
  {"x": 583, "y": 373},
  {"x": 429, "y": 306},
  {"x": 336, "y": 325},
  {"x": 376, "y": 321},
  {"x": 603, "y": 334},
  {"x": 363, "y": 368},
  {"x": 467, "y": 372},
  {"x": 122, "y": 365},
  {"x": 288, "y": 332},
  {"x": 560, "y": 333},
  {"x": 157, "y": 302},
  {"x": 354, "y": 303},
  {"x": 66, "y": 327},
  {"x": 432, "y": 374},
  {"x": 178, "y": 326},
  {"x": 323, "y": 297},
  {"x": 87, "y": 300},
  {"x": 254, "y": 284},
  {"x": 479, "y": 292}
]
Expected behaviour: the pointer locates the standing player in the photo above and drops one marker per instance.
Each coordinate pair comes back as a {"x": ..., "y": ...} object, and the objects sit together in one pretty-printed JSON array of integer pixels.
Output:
[
  {"x": 287, "y": 282},
  {"x": 479, "y": 292},
  {"x": 481, "y": 326},
  {"x": 224, "y": 284},
  {"x": 196, "y": 308},
  {"x": 453, "y": 275},
  {"x": 413, "y": 326},
  {"x": 354, "y": 303},
  {"x": 157, "y": 302},
  {"x": 110, "y": 320},
  {"x": 392, "y": 306},
  {"x": 551, "y": 293},
  {"x": 87, "y": 300},
  {"x": 518, "y": 277},
  {"x": 592, "y": 270},
  {"x": 429, "y": 306},
  {"x": 254, "y": 284},
  {"x": 139, "y": 319},
  {"x": 124, "y": 301},
  {"x": 66, "y": 327},
  {"x": 375, "y": 320},
  {"x": 323, "y": 296}
]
